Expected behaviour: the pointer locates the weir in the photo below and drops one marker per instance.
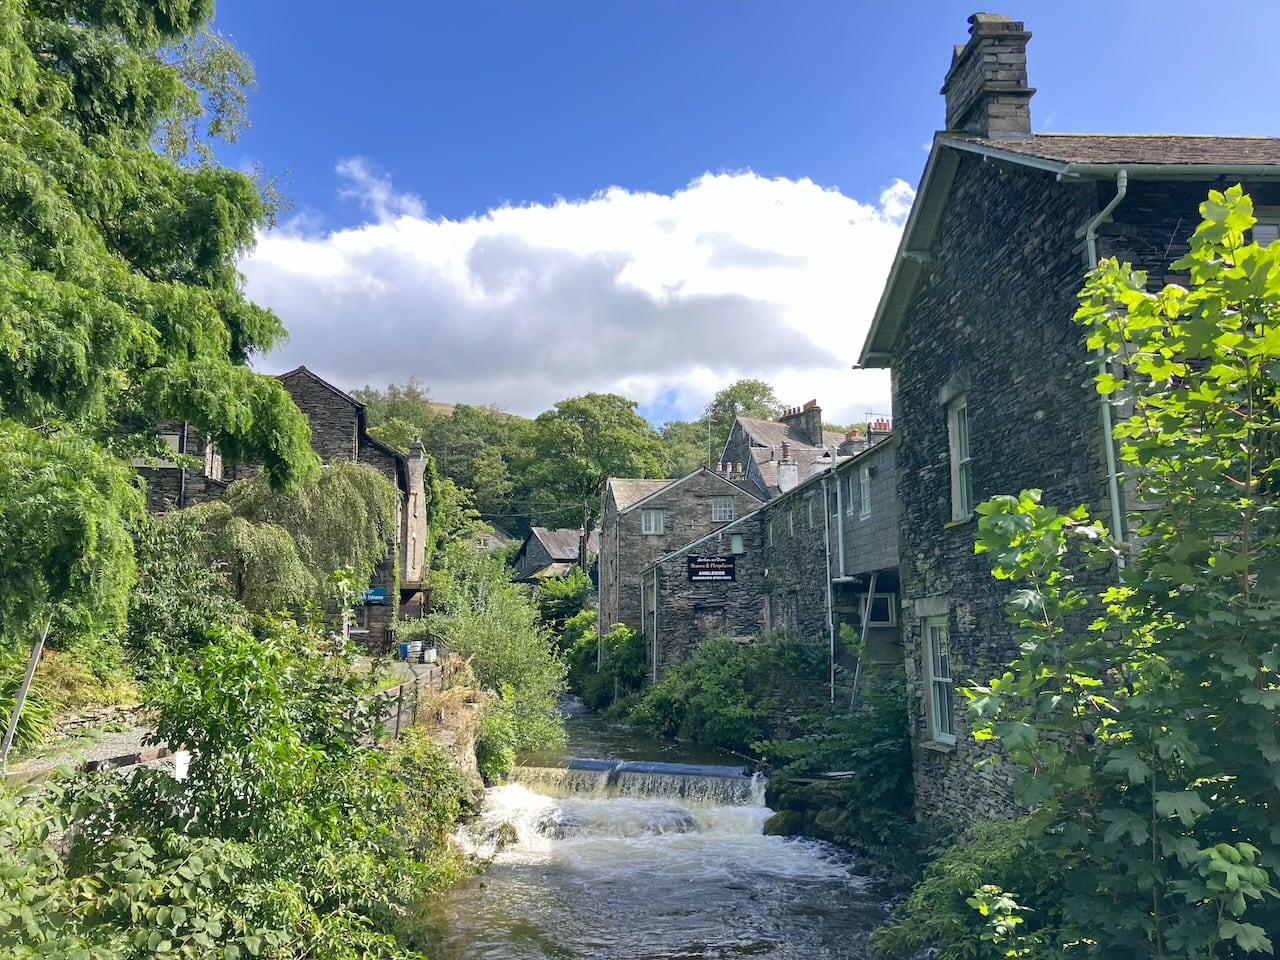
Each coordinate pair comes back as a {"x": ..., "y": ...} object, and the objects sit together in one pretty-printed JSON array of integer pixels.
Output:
[{"x": 696, "y": 783}]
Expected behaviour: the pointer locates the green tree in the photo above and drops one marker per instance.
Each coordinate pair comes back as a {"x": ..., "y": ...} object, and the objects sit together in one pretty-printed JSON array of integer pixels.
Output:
[
  {"x": 120, "y": 299},
  {"x": 578, "y": 445},
  {"x": 1149, "y": 740},
  {"x": 689, "y": 446},
  {"x": 742, "y": 398}
]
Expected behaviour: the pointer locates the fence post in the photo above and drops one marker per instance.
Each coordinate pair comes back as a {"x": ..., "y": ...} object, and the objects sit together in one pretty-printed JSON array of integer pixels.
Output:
[{"x": 399, "y": 706}]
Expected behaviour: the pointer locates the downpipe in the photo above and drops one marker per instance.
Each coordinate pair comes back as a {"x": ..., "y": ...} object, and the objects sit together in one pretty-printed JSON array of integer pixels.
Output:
[{"x": 1108, "y": 424}]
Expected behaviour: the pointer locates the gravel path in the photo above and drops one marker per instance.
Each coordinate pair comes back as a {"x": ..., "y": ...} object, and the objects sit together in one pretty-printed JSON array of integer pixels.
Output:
[{"x": 84, "y": 752}]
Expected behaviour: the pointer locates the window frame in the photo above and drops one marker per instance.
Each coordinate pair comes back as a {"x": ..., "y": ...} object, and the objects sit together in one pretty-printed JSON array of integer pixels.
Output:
[
  {"x": 652, "y": 529},
  {"x": 864, "y": 492},
  {"x": 791, "y": 522},
  {"x": 940, "y": 687},
  {"x": 960, "y": 446},
  {"x": 848, "y": 494},
  {"x": 723, "y": 509}
]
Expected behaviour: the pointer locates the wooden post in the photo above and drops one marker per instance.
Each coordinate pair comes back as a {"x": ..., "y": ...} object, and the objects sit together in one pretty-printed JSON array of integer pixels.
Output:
[
  {"x": 399, "y": 706},
  {"x": 21, "y": 699}
]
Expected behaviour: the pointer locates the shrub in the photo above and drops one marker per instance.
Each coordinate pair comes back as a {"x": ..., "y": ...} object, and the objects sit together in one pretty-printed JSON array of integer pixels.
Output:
[
  {"x": 561, "y": 598},
  {"x": 732, "y": 695},
  {"x": 938, "y": 913},
  {"x": 484, "y": 618},
  {"x": 622, "y": 672},
  {"x": 870, "y": 808}
]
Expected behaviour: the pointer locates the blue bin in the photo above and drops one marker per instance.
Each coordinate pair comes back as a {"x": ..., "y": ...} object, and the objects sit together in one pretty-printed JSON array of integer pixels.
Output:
[{"x": 404, "y": 651}]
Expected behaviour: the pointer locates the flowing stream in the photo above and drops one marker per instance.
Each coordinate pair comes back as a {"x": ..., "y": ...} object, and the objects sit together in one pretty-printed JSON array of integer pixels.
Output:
[{"x": 635, "y": 855}]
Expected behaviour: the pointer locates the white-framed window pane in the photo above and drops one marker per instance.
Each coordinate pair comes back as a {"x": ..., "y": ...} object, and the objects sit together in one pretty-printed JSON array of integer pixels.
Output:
[
  {"x": 791, "y": 523},
  {"x": 848, "y": 493},
  {"x": 941, "y": 685},
  {"x": 653, "y": 521},
  {"x": 722, "y": 509},
  {"x": 771, "y": 533},
  {"x": 810, "y": 507},
  {"x": 864, "y": 492},
  {"x": 961, "y": 471}
]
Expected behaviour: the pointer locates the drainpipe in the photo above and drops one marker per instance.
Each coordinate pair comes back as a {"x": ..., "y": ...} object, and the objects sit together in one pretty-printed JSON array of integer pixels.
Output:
[
  {"x": 831, "y": 622},
  {"x": 1113, "y": 479},
  {"x": 839, "y": 524}
]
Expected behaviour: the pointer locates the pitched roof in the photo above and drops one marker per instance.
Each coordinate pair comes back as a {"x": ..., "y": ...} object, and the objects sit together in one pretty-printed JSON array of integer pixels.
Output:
[
  {"x": 628, "y": 492},
  {"x": 804, "y": 458},
  {"x": 1077, "y": 157},
  {"x": 769, "y": 433},
  {"x": 1137, "y": 150},
  {"x": 563, "y": 544}
]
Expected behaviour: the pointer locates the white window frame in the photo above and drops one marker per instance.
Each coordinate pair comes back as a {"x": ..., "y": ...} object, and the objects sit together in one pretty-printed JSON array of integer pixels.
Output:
[
  {"x": 941, "y": 686},
  {"x": 791, "y": 522},
  {"x": 722, "y": 509},
  {"x": 848, "y": 493},
  {"x": 653, "y": 522},
  {"x": 771, "y": 531},
  {"x": 864, "y": 493},
  {"x": 959, "y": 437},
  {"x": 891, "y": 609},
  {"x": 809, "y": 505},
  {"x": 736, "y": 544}
]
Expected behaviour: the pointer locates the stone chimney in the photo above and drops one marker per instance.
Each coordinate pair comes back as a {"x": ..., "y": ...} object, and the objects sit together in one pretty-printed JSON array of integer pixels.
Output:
[
  {"x": 808, "y": 419},
  {"x": 788, "y": 469},
  {"x": 878, "y": 429},
  {"x": 413, "y": 539},
  {"x": 820, "y": 464},
  {"x": 986, "y": 87}
]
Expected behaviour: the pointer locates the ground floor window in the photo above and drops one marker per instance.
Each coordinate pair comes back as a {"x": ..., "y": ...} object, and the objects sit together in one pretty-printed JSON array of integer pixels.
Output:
[{"x": 941, "y": 705}]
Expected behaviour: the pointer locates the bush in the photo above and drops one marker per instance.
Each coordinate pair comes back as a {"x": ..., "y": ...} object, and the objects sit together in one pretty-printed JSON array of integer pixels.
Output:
[
  {"x": 289, "y": 838},
  {"x": 732, "y": 695},
  {"x": 181, "y": 597},
  {"x": 561, "y": 598},
  {"x": 622, "y": 673},
  {"x": 870, "y": 808},
  {"x": 485, "y": 619},
  {"x": 938, "y": 913}
]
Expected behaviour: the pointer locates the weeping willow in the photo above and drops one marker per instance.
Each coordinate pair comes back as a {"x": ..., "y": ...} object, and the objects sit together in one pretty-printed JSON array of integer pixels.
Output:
[{"x": 282, "y": 548}]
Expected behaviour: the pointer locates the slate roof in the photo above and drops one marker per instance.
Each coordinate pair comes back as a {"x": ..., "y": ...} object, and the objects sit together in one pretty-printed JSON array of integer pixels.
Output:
[
  {"x": 627, "y": 491},
  {"x": 804, "y": 458},
  {"x": 1137, "y": 149},
  {"x": 767, "y": 433},
  {"x": 563, "y": 544}
]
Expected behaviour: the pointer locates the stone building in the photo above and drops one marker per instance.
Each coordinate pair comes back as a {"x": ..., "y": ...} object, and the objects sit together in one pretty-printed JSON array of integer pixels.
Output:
[
  {"x": 338, "y": 432},
  {"x": 171, "y": 485},
  {"x": 819, "y": 556},
  {"x": 643, "y": 519},
  {"x": 992, "y": 383},
  {"x": 773, "y": 456},
  {"x": 552, "y": 553}
]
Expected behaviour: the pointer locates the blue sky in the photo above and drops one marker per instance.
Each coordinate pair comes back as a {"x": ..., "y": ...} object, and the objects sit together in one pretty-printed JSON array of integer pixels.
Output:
[{"x": 444, "y": 112}]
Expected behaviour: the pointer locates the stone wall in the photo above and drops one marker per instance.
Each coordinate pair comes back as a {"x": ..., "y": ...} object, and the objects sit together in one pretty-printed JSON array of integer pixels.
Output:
[
  {"x": 626, "y": 550},
  {"x": 334, "y": 418},
  {"x": 992, "y": 322},
  {"x": 690, "y": 613},
  {"x": 789, "y": 558}
]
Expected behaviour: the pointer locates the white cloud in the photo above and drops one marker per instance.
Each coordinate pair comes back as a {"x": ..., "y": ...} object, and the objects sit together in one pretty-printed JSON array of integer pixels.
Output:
[
  {"x": 664, "y": 299},
  {"x": 374, "y": 192}
]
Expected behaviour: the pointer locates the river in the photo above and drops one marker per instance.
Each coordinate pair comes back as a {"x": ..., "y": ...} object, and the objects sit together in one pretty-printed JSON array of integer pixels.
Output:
[{"x": 636, "y": 856}]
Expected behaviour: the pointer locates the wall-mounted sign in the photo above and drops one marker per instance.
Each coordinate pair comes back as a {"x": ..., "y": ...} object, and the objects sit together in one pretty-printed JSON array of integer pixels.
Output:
[
  {"x": 375, "y": 597},
  {"x": 712, "y": 570}
]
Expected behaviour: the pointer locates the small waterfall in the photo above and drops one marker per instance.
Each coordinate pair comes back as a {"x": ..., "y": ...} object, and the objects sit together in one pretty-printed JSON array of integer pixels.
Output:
[{"x": 695, "y": 783}]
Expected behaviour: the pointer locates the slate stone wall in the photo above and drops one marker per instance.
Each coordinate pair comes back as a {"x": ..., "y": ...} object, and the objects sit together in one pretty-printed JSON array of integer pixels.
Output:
[
  {"x": 334, "y": 420},
  {"x": 691, "y": 613},
  {"x": 992, "y": 321},
  {"x": 626, "y": 550}
]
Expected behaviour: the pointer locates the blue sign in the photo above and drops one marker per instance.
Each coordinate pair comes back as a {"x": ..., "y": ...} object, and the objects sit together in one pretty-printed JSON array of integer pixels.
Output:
[{"x": 376, "y": 596}]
